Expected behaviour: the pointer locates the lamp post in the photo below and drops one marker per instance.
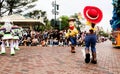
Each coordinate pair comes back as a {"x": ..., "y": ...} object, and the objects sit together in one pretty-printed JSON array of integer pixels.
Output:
[{"x": 54, "y": 10}]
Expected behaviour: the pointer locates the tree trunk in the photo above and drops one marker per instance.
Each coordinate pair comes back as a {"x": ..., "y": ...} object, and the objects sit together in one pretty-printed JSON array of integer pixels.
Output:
[{"x": 10, "y": 12}]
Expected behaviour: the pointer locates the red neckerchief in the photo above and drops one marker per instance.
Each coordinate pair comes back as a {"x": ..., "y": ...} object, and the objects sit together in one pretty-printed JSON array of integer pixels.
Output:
[{"x": 71, "y": 27}]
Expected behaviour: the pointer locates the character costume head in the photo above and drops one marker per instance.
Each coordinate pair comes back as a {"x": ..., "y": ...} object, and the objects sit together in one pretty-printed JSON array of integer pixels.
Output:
[
  {"x": 93, "y": 14},
  {"x": 71, "y": 23},
  {"x": 7, "y": 25}
]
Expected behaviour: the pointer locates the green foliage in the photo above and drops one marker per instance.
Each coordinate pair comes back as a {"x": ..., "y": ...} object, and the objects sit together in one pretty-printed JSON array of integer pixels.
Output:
[
  {"x": 64, "y": 22},
  {"x": 102, "y": 33},
  {"x": 39, "y": 14},
  {"x": 48, "y": 26},
  {"x": 54, "y": 23},
  {"x": 75, "y": 16},
  {"x": 77, "y": 20},
  {"x": 15, "y": 6},
  {"x": 35, "y": 14},
  {"x": 42, "y": 27},
  {"x": 38, "y": 28}
]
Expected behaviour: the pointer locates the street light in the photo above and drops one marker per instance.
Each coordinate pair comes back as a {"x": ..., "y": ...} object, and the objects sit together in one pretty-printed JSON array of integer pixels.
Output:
[
  {"x": 60, "y": 23},
  {"x": 54, "y": 10}
]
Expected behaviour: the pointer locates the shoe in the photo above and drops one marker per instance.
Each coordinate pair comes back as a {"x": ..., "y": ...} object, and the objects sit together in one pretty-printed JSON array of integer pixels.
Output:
[
  {"x": 72, "y": 50},
  {"x": 87, "y": 59},
  {"x": 2, "y": 53},
  {"x": 94, "y": 61},
  {"x": 12, "y": 54},
  {"x": 17, "y": 48}
]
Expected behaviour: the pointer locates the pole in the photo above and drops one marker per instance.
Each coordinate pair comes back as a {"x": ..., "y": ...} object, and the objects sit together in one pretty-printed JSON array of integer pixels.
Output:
[
  {"x": 55, "y": 14},
  {"x": 60, "y": 23},
  {"x": 54, "y": 11}
]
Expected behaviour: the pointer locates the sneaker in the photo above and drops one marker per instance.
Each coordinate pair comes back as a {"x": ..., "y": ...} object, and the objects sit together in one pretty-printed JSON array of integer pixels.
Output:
[
  {"x": 2, "y": 53},
  {"x": 12, "y": 53},
  {"x": 87, "y": 59}
]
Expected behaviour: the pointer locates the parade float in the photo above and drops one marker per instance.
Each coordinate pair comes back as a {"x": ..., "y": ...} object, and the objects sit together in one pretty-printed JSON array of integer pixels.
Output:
[{"x": 115, "y": 24}]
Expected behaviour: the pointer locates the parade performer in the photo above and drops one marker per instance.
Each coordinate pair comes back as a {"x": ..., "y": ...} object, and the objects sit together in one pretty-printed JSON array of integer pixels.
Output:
[
  {"x": 71, "y": 34},
  {"x": 7, "y": 44},
  {"x": 17, "y": 32},
  {"x": 8, "y": 35},
  {"x": 93, "y": 15}
]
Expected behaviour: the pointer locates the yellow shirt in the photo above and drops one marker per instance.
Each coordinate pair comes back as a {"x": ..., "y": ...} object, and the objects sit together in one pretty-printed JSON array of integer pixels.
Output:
[
  {"x": 72, "y": 33},
  {"x": 87, "y": 28}
]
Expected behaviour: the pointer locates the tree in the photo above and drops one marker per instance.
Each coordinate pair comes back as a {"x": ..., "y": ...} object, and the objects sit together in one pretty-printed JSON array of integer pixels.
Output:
[
  {"x": 1, "y": 5},
  {"x": 34, "y": 14},
  {"x": 17, "y": 6},
  {"x": 37, "y": 14},
  {"x": 102, "y": 33},
  {"x": 47, "y": 23},
  {"x": 48, "y": 26},
  {"x": 64, "y": 22},
  {"x": 52, "y": 22},
  {"x": 76, "y": 18}
]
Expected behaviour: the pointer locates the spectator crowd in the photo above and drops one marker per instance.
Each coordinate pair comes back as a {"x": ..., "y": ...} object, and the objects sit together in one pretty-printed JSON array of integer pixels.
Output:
[{"x": 49, "y": 38}]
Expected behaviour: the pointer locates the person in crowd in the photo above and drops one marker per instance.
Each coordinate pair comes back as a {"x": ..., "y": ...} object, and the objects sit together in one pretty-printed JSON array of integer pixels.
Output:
[
  {"x": 32, "y": 34},
  {"x": 60, "y": 42},
  {"x": 24, "y": 40},
  {"x": 34, "y": 41},
  {"x": 43, "y": 43},
  {"x": 29, "y": 41},
  {"x": 55, "y": 41},
  {"x": 51, "y": 41}
]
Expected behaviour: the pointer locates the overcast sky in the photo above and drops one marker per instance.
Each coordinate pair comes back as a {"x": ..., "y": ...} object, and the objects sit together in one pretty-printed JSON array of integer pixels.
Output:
[{"x": 69, "y": 7}]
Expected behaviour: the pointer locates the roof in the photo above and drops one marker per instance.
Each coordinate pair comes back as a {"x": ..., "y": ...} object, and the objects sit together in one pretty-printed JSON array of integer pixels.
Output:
[{"x": 20, "y": 18}]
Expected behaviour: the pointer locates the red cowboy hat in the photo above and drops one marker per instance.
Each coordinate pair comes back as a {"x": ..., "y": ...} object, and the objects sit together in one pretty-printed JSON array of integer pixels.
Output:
[{"x": 93, "y": 14}]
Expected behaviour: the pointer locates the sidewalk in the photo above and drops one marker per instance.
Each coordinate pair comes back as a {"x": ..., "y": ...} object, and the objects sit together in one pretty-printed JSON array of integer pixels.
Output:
[{"x": 59, "y": 60}]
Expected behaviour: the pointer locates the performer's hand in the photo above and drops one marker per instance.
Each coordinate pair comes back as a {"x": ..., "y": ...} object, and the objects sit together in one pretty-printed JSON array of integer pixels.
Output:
[{"x": 66, "y": 35}]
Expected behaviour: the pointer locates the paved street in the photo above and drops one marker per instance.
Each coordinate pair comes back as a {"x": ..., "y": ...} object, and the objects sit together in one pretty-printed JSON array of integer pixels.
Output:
[{"x": 59, "y": 60}]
